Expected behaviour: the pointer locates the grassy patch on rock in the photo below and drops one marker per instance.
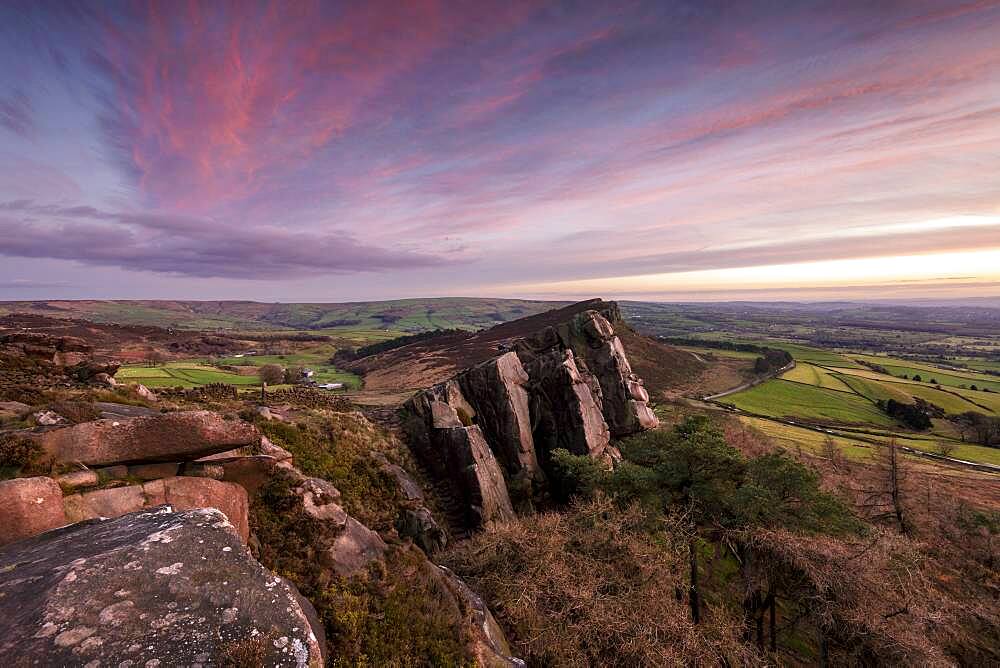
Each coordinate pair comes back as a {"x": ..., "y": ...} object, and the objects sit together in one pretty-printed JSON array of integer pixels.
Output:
[
  {"x": 337, "y": 447},
  {"x": 398, "y": 613}
]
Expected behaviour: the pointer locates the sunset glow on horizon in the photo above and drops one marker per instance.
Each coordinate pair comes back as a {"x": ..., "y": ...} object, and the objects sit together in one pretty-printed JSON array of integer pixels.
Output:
[
  {"x": 954, "y": 271},
  {"x": 327, "y": 151}
]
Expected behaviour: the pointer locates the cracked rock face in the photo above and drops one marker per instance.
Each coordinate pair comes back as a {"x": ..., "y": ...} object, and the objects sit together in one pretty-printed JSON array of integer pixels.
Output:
[
  {"x": 460, "y": 455},
  {"x": 153, "y": 588},
  {"x": 182, "y": 493}
]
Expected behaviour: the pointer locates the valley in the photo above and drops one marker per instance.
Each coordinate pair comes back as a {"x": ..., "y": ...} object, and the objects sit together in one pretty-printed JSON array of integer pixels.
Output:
[{"x": 475, "y": 447}]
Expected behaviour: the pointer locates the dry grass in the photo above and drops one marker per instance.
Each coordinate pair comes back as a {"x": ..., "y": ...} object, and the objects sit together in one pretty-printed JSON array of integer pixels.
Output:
[{"x": 595, "y": 586}]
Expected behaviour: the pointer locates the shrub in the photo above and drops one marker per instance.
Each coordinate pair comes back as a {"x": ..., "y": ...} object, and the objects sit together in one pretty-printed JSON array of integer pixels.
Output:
[
  {"x": 396, "y": 614},
  {"x": 19, "y": 455},
  {"x": 574, "y": 475},
  {"x": 272, "y": 374},
  {"x": 694, "y": 468},
  {"x": 336, "y": 448},
  {"x": 945, "y": 448}
]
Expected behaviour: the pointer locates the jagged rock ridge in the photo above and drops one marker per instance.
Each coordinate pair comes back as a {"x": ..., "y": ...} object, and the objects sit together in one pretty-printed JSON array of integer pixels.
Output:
[{"x": 569, "y": 385}]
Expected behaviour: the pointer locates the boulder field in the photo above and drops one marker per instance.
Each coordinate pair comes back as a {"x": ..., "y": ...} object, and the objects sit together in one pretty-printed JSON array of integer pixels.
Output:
[{"x": 569, "y": 385}]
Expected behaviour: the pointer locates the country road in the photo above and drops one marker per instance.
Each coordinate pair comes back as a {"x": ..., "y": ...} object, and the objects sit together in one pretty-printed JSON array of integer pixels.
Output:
[{"x": 753, "y": 383}]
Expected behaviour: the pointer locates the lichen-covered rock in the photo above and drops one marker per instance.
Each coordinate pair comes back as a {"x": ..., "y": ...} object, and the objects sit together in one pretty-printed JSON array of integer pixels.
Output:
[
  {"x": 29, "y": 506},
  {"x": 155, "y": 588},
  {"x": 182, "y": 493},
  {"x": 157, "y": 438}
]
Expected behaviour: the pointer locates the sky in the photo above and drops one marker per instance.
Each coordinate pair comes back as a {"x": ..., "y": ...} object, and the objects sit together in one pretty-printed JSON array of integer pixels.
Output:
[{"x": 327, "y": 151}]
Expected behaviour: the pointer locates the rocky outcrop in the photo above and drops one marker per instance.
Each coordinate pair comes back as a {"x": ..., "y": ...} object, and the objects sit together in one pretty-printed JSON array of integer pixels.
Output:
[
  {"x": 489, "y": 646},
  {"x": 418, "y": 524},
  {"x": 567, "y": 410},
  {"x": 460, "y": 454},
  {"x": 158, "y": 438},
  {"x": 155, "y": 588},
  {"x": 601, "y": 360},
  {"x": 497, "y": 399},
  {"x": 13, "y": 409},
  {"x": 266, "y": 447},
  {"x": 29, "y": 506},
  {"x": 568, "y": 385}
]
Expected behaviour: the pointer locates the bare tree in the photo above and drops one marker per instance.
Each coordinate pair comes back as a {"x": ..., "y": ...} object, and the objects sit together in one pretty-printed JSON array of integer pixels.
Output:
[
  {"x": 885, "y": 499},
  {"x": 155, "y": 357},
  {"x": 833, "y": 453},
  {"x": 272, "y": 374},
  {"x": 945, "y": 448}
]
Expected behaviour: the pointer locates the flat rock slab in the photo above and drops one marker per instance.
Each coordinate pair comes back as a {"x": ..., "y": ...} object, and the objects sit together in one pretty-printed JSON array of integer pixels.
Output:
[
  {"x": 155, "y": 588},
  {"x": 114, "y": 411},
  {"x": 166, "y": 437},
  {"x": 12, "y": 409}
]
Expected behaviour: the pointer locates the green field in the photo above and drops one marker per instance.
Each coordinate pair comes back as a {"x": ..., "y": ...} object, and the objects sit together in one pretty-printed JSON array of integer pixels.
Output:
[
  {"x": 811, "y": 395},
  {"x": 792, "y": 437},
  {"x": 181, "y": 374},
  {"x": 790, "y": 400},
  {"x": 928, "y": 372},
  {"x": 811, "y": 374},
  {"x": 357, "y": 321},
  {"x": 720, "y": 352},
  {"x": 317, "y": 361},
  {"x": 873, "y": 390},
  {"x": 813, "y": 355}
]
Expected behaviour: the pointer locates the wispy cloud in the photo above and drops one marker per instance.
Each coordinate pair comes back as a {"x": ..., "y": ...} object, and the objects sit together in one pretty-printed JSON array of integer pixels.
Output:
[
  {"x": 176, "y": 244},
  {"x": 555, "y": 140},
  {"x": 17, "y": 113}
]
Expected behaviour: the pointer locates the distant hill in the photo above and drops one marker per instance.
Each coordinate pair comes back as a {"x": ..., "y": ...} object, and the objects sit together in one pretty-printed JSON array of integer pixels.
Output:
[
  {"x": 397, "y": 317},
  {"x": 433, "y": 360}
]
